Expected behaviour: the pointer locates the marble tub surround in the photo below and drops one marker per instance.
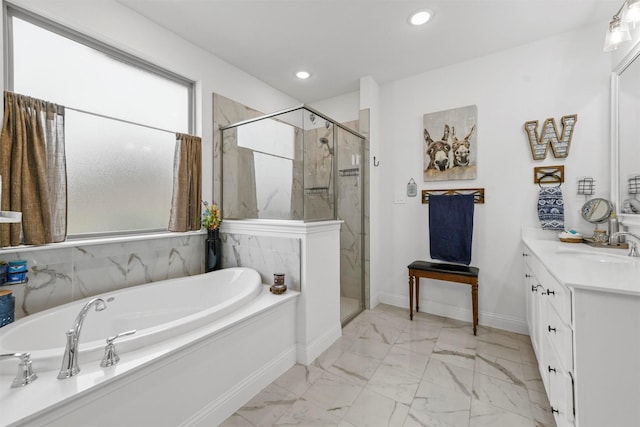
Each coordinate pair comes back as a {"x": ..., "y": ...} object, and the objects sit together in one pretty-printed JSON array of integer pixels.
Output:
[
  {"x": 266, "y": 254},
  {"x": 389, "y": 371},
  {"x": 61, "y": 273}
]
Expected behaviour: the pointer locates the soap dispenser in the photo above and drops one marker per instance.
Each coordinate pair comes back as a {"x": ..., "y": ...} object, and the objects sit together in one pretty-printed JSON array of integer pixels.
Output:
[{"x": 614, "y": 227}]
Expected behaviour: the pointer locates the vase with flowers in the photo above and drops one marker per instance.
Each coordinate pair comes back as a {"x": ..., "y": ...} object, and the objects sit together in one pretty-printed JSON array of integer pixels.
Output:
[{"x": 211, "y": 220}]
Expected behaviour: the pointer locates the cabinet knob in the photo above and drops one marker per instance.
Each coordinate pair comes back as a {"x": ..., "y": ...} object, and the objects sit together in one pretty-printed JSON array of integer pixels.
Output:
[
  {"x": 554, "y": 410},
  {"x": 534, "y": 288},
  {"x": 551, "y": 369},
  {"x": 552, "y": 329},
  {"x": 550, "y": 292},
  {"x": 527, "y": 275}
]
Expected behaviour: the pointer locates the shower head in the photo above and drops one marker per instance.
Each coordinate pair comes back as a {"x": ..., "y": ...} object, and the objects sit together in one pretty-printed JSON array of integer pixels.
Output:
[
  {"x": 327, "y": 124},
  {"x": 312, "y": 117},
  {"x": 325, "y": 141}
]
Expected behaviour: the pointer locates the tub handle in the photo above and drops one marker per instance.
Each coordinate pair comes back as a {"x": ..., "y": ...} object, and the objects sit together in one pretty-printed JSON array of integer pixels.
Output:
[
  {"x": 110, "y": 357},
  {"x": 25, "y": 373}
]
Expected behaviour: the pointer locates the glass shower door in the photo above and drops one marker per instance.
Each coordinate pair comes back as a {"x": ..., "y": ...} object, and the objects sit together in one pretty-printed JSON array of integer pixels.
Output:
[{"x": 350, "y": 210}]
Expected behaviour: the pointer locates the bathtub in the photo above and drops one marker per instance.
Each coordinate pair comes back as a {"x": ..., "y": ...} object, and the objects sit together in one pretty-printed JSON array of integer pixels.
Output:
[
  {"x": 157, "y": 311},
  {"x": 204, "y": 346}
]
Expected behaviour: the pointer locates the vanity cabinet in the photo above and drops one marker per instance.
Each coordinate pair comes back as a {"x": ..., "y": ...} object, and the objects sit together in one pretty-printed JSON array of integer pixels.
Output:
[
  {"x": 550, "y": 328},
  {"x": 584, "y": 322}
]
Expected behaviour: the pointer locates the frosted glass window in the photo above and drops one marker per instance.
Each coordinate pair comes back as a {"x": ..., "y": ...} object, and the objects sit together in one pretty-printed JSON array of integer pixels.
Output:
[
  {"x": 54, "y": 68},
  {"x": 120, "y": 176},
  {"x": 120, "y": 170}
]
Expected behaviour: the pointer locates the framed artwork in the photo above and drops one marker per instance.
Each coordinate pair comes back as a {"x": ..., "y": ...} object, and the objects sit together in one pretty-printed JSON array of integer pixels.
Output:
[{"x": 450, "y": 144}]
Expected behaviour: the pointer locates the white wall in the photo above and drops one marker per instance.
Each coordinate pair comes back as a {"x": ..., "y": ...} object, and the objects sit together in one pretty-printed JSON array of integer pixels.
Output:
[
  {"x": 120, "y": 27},
  {"x": 550, "y": 78},
  {"x": 343, "y": 108}
]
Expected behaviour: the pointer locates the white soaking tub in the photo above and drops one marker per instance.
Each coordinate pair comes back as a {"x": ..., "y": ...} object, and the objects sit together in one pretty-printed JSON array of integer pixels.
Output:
[
  {"x": 204, "y": 346},
  {"x": 157, "y": 311}
]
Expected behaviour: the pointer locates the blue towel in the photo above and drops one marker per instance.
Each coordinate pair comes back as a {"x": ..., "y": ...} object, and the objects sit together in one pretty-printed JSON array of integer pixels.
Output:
[
  {"x": 551, "y": 208},
  {"x": 451, "y": 227}
]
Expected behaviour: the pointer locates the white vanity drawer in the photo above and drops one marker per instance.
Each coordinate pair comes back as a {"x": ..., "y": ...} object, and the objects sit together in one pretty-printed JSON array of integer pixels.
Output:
[
  {"x": 560, "y": 298},
  {"x": 560, "y": 393},
  {"x": 558, "y": 295},
  {"x": 560, "y": 338}
]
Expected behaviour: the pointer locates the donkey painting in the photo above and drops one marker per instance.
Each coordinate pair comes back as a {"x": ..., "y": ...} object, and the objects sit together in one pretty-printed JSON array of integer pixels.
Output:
[
  {"x": 461, "y": 148},
  {"x": 438, "y": 151},
  {"x": 454, "y": 156}
]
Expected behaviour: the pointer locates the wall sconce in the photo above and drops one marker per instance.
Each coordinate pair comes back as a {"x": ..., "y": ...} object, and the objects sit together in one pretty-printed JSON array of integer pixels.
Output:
[{"x": 618, "y": 33}]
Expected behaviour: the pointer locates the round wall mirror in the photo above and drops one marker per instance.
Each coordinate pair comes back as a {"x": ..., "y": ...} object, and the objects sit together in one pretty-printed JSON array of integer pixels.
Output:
[{"x": 597, "y": 211}]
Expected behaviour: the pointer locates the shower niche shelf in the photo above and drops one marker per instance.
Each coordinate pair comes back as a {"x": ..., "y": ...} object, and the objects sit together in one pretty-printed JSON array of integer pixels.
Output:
[{"x": 350, "y": 172}]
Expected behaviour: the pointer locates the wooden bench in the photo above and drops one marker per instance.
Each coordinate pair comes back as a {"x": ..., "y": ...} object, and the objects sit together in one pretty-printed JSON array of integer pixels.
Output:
[{"x": 447, "y": 272}]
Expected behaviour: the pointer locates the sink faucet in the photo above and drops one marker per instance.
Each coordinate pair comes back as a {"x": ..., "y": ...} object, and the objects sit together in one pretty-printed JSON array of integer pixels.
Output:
[
  {"x": 70, "y": 359},
  {"x": 633, "y": 246}
]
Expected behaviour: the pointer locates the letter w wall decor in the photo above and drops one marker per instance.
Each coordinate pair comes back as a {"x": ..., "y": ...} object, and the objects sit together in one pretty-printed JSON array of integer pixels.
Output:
[{"x": 559, "y": 143}]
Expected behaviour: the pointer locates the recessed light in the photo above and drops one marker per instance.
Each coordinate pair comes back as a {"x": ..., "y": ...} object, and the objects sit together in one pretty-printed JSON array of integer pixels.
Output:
[
  {"x": 303, "y": 75},
  {"x": 420, "y": 17}
]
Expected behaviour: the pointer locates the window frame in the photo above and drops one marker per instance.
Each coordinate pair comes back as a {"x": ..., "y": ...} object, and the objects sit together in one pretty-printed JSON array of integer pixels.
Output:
[{"x": 10, "y": 11}]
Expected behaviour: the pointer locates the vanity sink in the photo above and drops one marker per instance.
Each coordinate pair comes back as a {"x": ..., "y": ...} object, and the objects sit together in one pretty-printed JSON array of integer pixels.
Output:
[{"x": 594, "y": 256}]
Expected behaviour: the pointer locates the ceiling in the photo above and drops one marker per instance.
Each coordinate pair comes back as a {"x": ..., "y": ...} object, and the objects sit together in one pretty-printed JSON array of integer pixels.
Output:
[{"x": 340, "y": 41}]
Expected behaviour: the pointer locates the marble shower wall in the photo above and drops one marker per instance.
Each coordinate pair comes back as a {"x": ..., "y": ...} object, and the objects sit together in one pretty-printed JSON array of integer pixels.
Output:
[
  {"x": 69, "y": 273},
  {"x": 265, "y": 254}
]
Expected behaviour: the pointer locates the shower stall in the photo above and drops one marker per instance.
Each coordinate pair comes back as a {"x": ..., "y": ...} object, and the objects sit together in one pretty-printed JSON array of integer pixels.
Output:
[{"x": 300, "y": 165}]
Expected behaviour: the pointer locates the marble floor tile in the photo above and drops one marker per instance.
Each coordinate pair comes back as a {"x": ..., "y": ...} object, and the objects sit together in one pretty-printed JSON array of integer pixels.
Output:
[
  {"x": 370, "y": 348},
  {"x": 448, "y": 376},
  {"x": 269, "y": 405},
  {"x": 446, "y": 406},
  {"x": 372, "y": 409},
  {"x": 386, "y": 333},
  {"x": 501, "y": 368},
  {"x": 299, "y": 378},
  {"x": 463, "y": 357},
  {"x": 486, "y": 415},
  {"x": 387, "y": 370},
  {"x": 490, "y": 349},
  {"x": 394, "y": 383},
  {"x": 461, "y": 337},
  {"x": 541, "y": 409},
  {"x": 532, "y": 378},
  {"x": 333, "y": 393},
  {"x": 355, "y": 367},
  {"x": 502, "y": 394},
  {"x": 416, "y": 341},
  {"x": 305, "y": 413}
]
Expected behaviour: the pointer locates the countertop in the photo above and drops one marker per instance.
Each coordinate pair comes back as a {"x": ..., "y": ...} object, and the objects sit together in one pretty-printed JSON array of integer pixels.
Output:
[{"x": 579, "y": 266}]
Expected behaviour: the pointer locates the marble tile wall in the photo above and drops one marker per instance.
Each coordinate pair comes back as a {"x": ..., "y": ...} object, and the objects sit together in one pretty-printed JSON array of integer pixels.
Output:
[
  {"x": 65, "y": 274},
  {"x": 265, "y": 254}
]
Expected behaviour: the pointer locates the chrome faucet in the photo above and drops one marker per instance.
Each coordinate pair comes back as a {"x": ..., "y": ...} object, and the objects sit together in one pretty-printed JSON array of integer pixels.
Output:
[
  {"x": 70, "y": 359},
  {"x": 633, "y": 246}
]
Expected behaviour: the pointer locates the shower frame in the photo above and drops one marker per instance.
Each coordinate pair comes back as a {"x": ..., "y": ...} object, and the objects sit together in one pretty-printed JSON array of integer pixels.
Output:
[{"x": 335, "y": 176}]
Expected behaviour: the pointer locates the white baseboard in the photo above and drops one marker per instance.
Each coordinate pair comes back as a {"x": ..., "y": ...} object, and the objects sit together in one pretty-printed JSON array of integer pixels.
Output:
[
  {"x": 307, "y": 353},
  {"x": 485, "y": 318},
  {"x": 223, "y": 407}
]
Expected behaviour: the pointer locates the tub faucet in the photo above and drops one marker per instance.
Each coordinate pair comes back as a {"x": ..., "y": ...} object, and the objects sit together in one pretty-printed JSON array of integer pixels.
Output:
[
  {"x": 70, "y": 359},
  {"x": 633, "y": 245}
]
